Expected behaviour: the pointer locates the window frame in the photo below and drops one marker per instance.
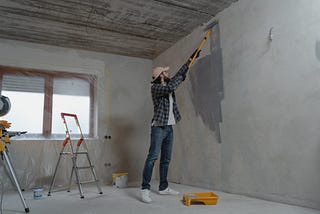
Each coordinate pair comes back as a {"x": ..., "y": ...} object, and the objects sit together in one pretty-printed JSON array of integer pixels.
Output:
[{"x": 48, "y": 92}]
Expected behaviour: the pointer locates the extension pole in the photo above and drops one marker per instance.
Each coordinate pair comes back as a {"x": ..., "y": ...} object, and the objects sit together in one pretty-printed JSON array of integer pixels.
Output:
[
  {"x": 208, "y": 33},
  {"x": 200, "y": 47}
]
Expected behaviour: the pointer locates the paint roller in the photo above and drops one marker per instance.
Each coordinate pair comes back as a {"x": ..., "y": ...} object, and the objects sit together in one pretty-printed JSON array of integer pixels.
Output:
[{"x": 208, "y": 33}]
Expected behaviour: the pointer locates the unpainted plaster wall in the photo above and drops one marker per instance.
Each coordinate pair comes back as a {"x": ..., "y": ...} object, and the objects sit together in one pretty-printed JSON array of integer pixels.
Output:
[
  {"x": 271, "y": 140},
  {"x": 270, "y": 122},
  {"x": 123, "y": 109}
]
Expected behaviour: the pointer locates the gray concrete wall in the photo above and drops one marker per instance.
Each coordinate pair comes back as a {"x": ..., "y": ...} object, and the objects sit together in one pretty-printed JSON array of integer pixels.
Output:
[
  {"x": 123, "y": 110},
  {"x": 270, "y": 130},
  {"x": 271, "y": 140}
]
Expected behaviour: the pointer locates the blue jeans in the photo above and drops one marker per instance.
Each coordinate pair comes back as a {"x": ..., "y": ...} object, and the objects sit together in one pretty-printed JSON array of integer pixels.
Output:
[{"x": 161, "y": 141}]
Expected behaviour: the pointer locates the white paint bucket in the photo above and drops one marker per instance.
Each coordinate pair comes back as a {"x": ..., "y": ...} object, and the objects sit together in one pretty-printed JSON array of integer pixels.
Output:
[
  {"x": 120, "y": 180},
  {"x": 37, "y": 192}
]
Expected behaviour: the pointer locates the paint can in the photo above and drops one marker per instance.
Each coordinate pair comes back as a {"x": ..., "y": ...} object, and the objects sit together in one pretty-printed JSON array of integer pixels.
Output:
[
  {"x": 120, "y": 180},
  {"x": 37, "y": 192}
]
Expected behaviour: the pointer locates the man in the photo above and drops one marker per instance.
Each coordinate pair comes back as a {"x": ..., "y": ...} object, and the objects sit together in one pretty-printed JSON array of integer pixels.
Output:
[{"x": 166, "y": 114}]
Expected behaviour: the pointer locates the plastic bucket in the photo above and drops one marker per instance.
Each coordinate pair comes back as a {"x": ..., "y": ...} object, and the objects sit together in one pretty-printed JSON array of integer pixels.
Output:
[
  {"x": 120, "y": 180},
  {"x": 37, "y": 192}
]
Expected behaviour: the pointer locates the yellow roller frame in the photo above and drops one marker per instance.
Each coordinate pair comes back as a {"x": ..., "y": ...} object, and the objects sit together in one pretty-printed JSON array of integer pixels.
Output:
[{"x": 208, "y": 33}]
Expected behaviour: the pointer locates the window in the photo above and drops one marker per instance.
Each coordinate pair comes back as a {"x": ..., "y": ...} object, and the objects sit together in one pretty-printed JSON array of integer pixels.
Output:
[
  {"x": 23, "y": 93},
  {"x": 38, "y": 97},
  {"x": 70, "y": 96}
]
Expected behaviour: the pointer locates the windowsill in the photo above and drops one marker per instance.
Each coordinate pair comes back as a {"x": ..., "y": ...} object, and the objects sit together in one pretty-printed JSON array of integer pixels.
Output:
[{"x": 56, "y": 137}]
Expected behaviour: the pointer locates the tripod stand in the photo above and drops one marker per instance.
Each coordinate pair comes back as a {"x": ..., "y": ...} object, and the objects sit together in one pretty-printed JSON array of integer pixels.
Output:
[{"x": 5, "y": 139}]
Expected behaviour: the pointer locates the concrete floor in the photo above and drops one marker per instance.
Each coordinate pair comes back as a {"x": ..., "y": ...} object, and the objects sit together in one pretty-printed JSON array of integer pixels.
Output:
[{"x": 123, "y": 201}]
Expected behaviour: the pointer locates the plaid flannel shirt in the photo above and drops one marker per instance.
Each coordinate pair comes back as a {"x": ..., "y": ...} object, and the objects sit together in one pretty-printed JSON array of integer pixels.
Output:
[{"x": 160, "y": 97}]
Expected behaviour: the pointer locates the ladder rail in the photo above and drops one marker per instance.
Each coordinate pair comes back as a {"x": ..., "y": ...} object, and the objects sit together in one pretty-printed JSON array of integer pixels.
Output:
[
  {"x": 94, "y": 173},
  {"x": 55, "y": 171}
]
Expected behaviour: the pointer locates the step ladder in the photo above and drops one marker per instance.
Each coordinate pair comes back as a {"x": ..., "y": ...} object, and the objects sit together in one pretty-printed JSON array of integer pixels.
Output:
[{"x": 81, "y": 150}]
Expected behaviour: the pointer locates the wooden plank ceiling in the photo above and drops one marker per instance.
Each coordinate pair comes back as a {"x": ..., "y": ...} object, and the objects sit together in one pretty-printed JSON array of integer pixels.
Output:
[{"x": 139, "y": 28}]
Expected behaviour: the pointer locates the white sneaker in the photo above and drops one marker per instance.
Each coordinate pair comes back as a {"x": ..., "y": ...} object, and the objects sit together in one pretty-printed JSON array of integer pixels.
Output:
[
  {"x": 145, "y": 196},
  {"x": 168, "y": 191}
]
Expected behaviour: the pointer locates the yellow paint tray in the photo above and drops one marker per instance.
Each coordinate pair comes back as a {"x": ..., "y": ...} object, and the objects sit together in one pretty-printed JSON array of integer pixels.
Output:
[{"x": 207, "y": 198}]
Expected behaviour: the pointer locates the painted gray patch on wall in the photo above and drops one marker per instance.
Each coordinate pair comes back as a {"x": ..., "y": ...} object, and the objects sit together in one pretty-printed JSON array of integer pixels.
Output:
[
  {"x": 318, "y": 49},
  {"x": 207, "y": 85}
]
